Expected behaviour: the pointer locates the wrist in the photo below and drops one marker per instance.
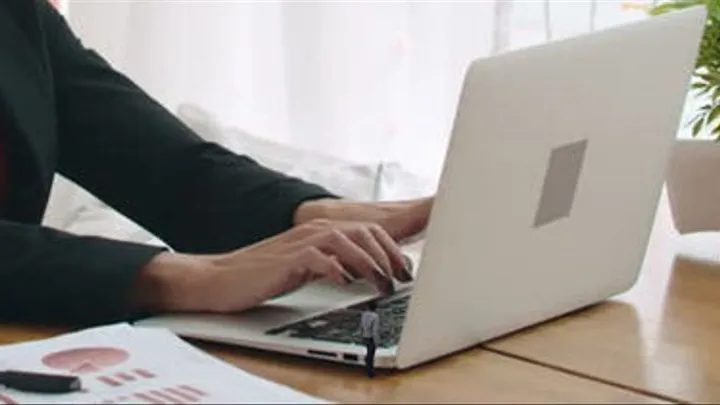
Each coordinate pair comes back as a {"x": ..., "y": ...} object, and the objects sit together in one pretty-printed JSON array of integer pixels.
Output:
[
  {"x": 169, "y": 282},
  {"x": 313, "y": 209}
]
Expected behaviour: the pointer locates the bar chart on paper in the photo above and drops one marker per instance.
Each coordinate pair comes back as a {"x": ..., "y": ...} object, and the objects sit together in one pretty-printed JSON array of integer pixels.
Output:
[
  {"x": 138, "y": 366},
  {"x": 181, "y": 394}
]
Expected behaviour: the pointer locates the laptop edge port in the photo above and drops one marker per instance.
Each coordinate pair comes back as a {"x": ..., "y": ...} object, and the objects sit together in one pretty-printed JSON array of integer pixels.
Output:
[
  {"x": 322, "y": 353},
  {"x": 351, "y": 357}
]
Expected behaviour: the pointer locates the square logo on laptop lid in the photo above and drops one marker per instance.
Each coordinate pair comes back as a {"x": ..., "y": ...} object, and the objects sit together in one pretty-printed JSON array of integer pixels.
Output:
[{"x": 560, "y": 184}]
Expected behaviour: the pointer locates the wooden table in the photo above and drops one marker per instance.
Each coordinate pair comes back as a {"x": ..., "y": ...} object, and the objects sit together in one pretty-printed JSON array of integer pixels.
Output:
[
  {"x": 661, "y": 337},
  {"x": 474, "y": 376}
]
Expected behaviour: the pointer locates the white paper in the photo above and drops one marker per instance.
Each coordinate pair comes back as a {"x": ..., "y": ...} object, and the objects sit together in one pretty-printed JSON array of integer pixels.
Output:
[{"x": 122, "y": 364}]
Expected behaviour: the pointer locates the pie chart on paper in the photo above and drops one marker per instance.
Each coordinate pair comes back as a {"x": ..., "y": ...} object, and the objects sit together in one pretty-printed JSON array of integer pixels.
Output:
[{"x": 85, "y": 360}]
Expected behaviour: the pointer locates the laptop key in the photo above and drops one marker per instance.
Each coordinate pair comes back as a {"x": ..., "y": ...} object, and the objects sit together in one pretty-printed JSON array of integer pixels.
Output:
[{"x": 341, "y": 326}]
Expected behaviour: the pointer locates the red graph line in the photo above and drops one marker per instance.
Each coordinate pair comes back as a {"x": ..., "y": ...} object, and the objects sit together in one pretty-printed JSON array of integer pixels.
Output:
[
  {"x": 174, "y": 395},
  {"x": 166, "y": 397},
  {"x": 143, "y": 373},
  {"x": 181, "y": 394},
  {"x": 109, "y": 381},
  {"x": 7, "y": 400},
  {"x": 193, "y": 390},
  {"x": 125, "y": 376},
  {"x": 147, "y": 398}
]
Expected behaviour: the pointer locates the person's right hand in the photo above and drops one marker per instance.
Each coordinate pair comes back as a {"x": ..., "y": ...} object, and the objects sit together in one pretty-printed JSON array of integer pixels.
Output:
[{"x": 338, "y": 251}]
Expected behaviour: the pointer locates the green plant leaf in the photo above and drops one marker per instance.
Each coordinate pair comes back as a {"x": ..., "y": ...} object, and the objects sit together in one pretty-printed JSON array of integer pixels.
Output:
[
  {"x": 706, "y": 77},
  {"x": 713, "y": 114},
  {"x": 697, "y": 127},
  {"x": 714, "y": 76},
  {"x": 704, "y": 91},
  {"x": 690, "y": 123},
  {"x": 700, "y": 116},
  {"x": 707, "y": 64},
  {"x": 676, "y": 5},
  {"x": 694, "y": 119},
  {"x": 714, "y": 9}
]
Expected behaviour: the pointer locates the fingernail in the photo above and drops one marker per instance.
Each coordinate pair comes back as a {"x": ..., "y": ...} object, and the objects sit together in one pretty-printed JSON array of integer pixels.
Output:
[
  {"x": 407, "y": 275},
  {"x": 382, "y": 272},
  {"x": 388, "y": 287},
  {"x": 407, "y": 271},
  {"x": 384, "y": 281}
]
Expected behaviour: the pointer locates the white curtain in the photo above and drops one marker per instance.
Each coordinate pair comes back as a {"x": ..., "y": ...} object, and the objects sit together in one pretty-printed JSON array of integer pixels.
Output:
[{"x": 362, "y": 80}]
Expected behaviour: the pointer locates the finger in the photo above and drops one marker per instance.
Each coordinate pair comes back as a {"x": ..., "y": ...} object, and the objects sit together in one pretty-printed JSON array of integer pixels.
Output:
[
  {"x": 355, "y": 259},
  {"x": 399, "y": 263},
  {"x": 410, "y": 220},
  {"x": 275, "y": 275},
  {"x": 287, "y": 242},
  {"x": 346, "y": 276},
  {"x": 366, "y": 240},
  {"x": 304, "y": 266},
  {"x": 321, "y": 266}
]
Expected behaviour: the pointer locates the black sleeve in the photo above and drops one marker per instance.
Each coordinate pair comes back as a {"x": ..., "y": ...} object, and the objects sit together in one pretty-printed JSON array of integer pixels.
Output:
[
  {"x": 51, "y": 276},
  {"x": 136, "y": 156}
]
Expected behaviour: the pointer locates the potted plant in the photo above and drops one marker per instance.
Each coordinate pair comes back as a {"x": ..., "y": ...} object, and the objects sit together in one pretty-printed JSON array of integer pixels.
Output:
[
  {"x": 693, "y": 191},
  {"x": 706, "y": 79}
]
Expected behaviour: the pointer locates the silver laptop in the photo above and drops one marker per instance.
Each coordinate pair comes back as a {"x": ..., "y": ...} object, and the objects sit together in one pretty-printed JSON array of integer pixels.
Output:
[{"x": 546, "y": 201}]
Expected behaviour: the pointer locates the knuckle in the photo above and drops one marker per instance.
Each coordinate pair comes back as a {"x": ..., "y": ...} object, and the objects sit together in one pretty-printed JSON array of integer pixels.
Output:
[
  {"x": 359, "y": 234},
  {"x": 336, "y": 236},
  {"x": 312, "y": 253},
  {"x": 373, "y": 227},
  {"x": 308, "y": 228},
  {"x": 319, "y": 223},
  {"x": 359, "y": 231},
  {"x": 367, "y": 232},
  {"x": 297, "y": 274},
  {"x": 313, "y": 226}
]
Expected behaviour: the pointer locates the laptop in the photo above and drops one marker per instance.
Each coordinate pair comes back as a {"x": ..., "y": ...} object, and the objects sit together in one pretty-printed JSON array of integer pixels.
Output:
[{"x": 545, "y": 204}]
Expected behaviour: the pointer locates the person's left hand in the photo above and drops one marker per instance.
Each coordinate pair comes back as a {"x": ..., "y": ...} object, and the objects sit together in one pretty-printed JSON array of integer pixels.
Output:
[{"x": 401, "y": 219}]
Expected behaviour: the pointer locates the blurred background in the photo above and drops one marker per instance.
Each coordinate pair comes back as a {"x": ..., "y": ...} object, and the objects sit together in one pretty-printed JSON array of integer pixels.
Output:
[{"x": 365, "y": 81}]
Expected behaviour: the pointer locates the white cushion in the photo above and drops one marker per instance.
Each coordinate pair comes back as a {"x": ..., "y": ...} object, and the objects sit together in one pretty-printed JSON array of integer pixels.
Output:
[
  {"x": 72, "y": 209},
  {"x": 108, "y": 223},
  {"x": 395, "y": 183},
  {"x": 354, "y": 180},
  {"x": 64, "y": 203}
]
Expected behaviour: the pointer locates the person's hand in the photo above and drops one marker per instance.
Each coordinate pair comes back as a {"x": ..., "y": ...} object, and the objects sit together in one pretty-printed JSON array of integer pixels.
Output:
[
  {"x": 317, "y": 249},
  {"x": 401, "y": 219}
]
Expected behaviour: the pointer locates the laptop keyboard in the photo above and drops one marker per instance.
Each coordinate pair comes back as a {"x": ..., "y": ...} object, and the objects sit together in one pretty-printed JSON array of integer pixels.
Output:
[{"x": 342, "y": 325}]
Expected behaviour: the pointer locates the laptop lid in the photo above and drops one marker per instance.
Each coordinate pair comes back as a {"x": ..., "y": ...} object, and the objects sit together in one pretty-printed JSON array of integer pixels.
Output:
[{"x": 551, "y": 180}]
